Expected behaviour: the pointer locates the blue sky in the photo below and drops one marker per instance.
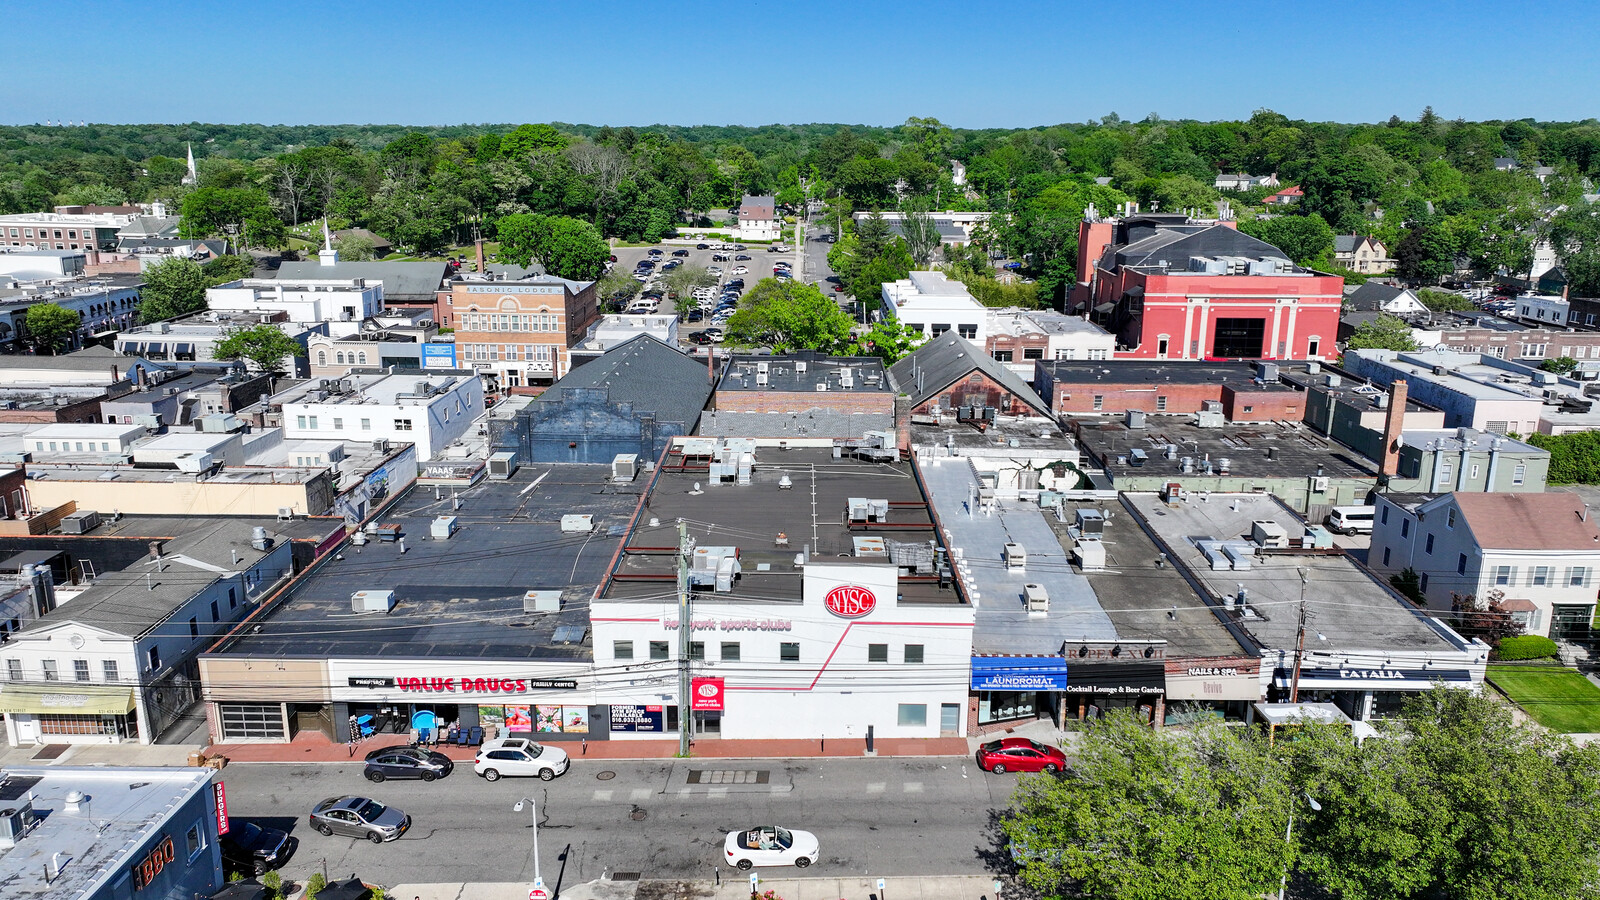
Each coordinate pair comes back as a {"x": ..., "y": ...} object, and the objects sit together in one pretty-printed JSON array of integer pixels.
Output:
[{"x": 757, "y": 62}]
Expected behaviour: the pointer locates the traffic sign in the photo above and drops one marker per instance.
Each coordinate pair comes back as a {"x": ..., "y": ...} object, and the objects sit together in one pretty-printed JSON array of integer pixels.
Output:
[
  {"x": 880, "y": 884},
  {"x": 538, "y": 892}
]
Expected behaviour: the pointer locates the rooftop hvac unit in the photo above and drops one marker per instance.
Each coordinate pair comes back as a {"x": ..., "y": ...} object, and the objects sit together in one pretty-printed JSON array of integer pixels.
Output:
[
  {"x": 372, "y": 601},
  {"x": 800, "y": 367},
  {"x": 1134, "y": 419},
  {"x": 541, "y": 601},
  {"x": 576, "y": 523},
  {"x": 1091, "y": 523},
  {"x": 625, "y": 467},
  {"x": 81, "y": 522},
  {"x": 1269, "y": 535},
  {"x": 502, "y": 464},
  {"x": 1036, "y": 598},
  {"x": 1016, "y": 557},
  {"x": 1091, "y": 555},
  {"x": 761, "y": 379},
  {"x": 15, "y": 821},
  {"x": 443, "y": 527},
  {"x": 1137, "y": 457},
  {"x": 194, "y": 462}
]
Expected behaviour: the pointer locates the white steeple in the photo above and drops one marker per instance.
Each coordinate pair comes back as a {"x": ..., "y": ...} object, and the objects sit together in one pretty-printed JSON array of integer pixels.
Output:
[
  {"x": 327, "y": 254},
  {"x": 193, "y": 177}
]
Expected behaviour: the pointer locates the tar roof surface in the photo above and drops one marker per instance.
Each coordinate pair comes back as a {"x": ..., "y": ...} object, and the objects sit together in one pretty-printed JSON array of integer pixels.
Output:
[
  {"x": 751, "y": 516},
  {"x": 1349, "y": 610},
  {"x": 1139, "y": 371},
  {"x": 461, "y": 597},
  {"x": 1299, "y": 451},
  {"x": 1138, "y": 595}
]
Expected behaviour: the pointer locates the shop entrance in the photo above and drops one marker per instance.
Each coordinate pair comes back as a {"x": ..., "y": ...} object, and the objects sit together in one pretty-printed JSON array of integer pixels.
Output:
[
  {"x": 1239, "y": 338},
  {"x": 708, "y": 724}
]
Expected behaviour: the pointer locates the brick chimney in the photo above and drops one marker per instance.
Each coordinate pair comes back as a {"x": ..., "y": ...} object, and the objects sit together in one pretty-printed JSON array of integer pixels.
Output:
[
  {"x": 482, "y": 265},
  {"x": 1393, "y": 424},
  {"x": 1093, "y": 237}
]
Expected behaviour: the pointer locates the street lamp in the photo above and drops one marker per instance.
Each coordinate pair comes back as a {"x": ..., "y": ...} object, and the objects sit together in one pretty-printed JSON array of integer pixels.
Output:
[
  {"x": 1288, "y": 833},
  {"x": 538, "y": 892}
]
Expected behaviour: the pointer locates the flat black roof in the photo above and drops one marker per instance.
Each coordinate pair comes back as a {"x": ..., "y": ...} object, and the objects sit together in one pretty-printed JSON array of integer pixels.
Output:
[
  {"x": 1140, "y": 371},
  {"x": 1294, "y": 451},
  {"x": 750, "y": 517},
  {"x": 868, "y": 374},
  {"x": 462, "y": 597}
]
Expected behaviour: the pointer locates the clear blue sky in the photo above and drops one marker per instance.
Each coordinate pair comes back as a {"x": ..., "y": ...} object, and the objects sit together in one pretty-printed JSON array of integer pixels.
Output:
[{"x": 970, "y": 64}]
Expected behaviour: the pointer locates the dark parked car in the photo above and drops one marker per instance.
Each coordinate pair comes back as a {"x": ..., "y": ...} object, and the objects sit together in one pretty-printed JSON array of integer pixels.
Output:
[
  {"x": 654, "y": 251},
  {"x": 695, "y": 315},
  {"x": 406, "y": 762},
  {"x": 702, "y": 246},
  {"x": 248, "y": 847},
  {"x": 741, "y": 257},
  {"x": 1020, "y": 755},
  {"x": 359, "y": 817},
  {"x": 680, "y": 253}
]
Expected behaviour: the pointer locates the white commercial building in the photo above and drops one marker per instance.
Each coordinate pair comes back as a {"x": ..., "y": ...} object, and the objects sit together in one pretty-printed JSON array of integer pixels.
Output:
[
  {"x": 932, "y": 304},
  {"x": 65, "y": 231},
  {"x": 431, "y": 411},
  {"x": 305, "y": 301},
  {"x": 758, "y": 219},
  {"x": 1537, "y": 554}
]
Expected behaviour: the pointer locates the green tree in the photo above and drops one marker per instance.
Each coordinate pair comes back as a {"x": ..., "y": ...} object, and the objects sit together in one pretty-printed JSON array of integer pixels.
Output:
[
  {"x": 788, "y": 316},
  {"x": 566, "y": 247},
  {"x": 242, "y": 214},
  {"x": 264, "y": 345},
  {"x": 1383, "y": 333},
  {"x": 683, "y": 281},
  {"x": 1145, "y": 815},
  {"x": 230, "y": 267},
  {"x": 91, "y": 195},
  {"x": 1305, "y": 239},
  {"x": 618, "y": 285},
  {"x": 1574, "y": 457},
  {"x": 1561, "y": 365},
  {"x": 51, "y": 327},
  {"x": 355, "y": 247},
  {"x": 1443, "y": 301},
  {"x": 890, "y": 339},
  {"x": 921, "y": 236},
  {"x": 1425, "y": 254},
  {"x": 1575, "y": 235},
  {"x": 172, "y": 287}
]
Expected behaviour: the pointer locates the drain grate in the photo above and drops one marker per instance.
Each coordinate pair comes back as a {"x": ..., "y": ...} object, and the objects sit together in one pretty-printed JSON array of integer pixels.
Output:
[
  {"x": 51, "y": 751},
  {"x": 607, "y": 775},
  {"x": 625, "y": 876},
  {"x": 638, "y": 815},
  {"x": 729, "y": 776}
]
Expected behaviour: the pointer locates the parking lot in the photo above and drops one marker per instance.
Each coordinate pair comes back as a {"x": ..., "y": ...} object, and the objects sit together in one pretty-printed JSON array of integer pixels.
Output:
[{"x": 759, "y": 265}]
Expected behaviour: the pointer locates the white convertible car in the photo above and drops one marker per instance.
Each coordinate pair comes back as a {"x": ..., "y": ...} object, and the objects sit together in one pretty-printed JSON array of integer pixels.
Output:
[{"x": 769, "y": 845}]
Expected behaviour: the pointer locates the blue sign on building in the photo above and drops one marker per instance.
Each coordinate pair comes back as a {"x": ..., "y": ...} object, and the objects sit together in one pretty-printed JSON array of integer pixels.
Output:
[
  {"x": 438, "y": 356},
  {"x": 1019, "y": 673}
]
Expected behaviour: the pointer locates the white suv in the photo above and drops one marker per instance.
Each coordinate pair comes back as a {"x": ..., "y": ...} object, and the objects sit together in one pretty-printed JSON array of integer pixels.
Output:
[{"x": 519, "y": 756}]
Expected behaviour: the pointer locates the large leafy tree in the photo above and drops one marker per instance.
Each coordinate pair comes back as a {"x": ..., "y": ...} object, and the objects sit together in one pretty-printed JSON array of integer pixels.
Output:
[
  {"x": 1575, "y": 235},
  {"x": 1305, "y": 239},
  {"x": 228, "y": 268},
  {"x": 1382, "y": 333},
  {"x": 788, "y": 316},
  {"x": 1143, "y": 815},
  {"x": 1425, "y": 254},
  {"x": 172, "y": 287},
  {"x": 566, "y": 247},
  {"x": 50, "y": 327},
  {"x": 264, "y": 345},
  {"x": 243, "y": 214}
]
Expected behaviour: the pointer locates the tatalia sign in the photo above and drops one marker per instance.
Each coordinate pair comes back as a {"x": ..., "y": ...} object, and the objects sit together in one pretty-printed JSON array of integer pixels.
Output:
[{"x": 850, "y": 601}]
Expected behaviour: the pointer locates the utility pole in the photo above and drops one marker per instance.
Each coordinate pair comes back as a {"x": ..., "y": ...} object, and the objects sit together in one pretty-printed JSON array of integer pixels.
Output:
[
  {"x": 1300, "y": 644},
  {"x": 683, "y": 639}
]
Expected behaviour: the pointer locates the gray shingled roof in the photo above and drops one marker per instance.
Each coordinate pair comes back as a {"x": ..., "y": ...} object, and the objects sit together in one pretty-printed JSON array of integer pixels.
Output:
[
  {"x": 647, "y": 373},
  {"x": 1346, "y": 243},
  {"x": 947, "y": 359},
  {"x": 1371, "y": 297},
  {"x": 402, "y": 279}
]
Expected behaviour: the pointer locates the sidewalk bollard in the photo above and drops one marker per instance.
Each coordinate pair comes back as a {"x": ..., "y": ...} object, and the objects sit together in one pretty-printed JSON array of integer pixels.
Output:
[{"x": 585, "y": 743}]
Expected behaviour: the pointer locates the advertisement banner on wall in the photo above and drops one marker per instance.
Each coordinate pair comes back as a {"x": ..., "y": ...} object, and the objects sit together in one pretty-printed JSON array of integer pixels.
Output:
[
  {"x": 1129, "y": 679},
  {"x": 222, "y": 807},
  {"x": 1214, "y": 679},
  {"x": 639, "y": 718},
  {"x": 707, "y": 694},
  {"x": 438, "y": 356}
]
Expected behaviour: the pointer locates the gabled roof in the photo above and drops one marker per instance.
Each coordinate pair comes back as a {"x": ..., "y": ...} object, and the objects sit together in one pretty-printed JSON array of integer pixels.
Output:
[
  {"x": 402, "y": 279},
  {"x": 947, "y": 359},
  {"x": 1173, "y": 245},
  {"x": 1552, "y": 521},
  {"x": 763, "y": 207},
  {"x": 642, "y": 371},
  {"x": 1346, "y": 243},
  {"x": 1372, "y": 296}
]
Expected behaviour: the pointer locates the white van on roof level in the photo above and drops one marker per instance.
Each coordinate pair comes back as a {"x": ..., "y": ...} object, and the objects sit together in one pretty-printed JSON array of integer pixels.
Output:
[{"x": 1350, "y": 519}]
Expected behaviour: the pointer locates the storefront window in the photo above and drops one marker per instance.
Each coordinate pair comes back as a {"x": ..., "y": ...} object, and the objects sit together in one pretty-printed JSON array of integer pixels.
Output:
[
  {"x": 1389, "y": 703},
  {"x": 108, "y": 726},
  {"x": 998, "y": 706},
  {"x": 251, "y": 721},
  {"x": 913, "y": 714}
]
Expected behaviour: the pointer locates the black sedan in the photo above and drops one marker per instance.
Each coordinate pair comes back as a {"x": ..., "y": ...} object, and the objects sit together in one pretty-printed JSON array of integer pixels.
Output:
[
  {"x": 248, "y": 847},
  {"x": 680, "y": 253},
  {"x": 406, "y": 762}
]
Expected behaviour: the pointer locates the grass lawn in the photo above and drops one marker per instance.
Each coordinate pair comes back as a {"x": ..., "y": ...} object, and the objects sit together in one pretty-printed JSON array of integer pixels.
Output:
[{"x": 1556, "y": 697}]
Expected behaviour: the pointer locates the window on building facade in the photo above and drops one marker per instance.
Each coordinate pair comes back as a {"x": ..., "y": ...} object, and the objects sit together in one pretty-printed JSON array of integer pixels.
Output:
[
  {"x": 1002, "y": 356},
  {"x": 660, "y": 650},
  {"x": 730, "y": 651},
  {"x": 1161, "y": 403},
  {"x": 1461, "y": 564},
  {"x": 48, "y": 666},
  {"x": 697, "y": 650},
  {"x": 1422, "y": 583},
  {"x": 1427, "y": 547},
  {"x": 1386, "y": 556},
  {"x": 1405, "y": 527},
  {"x": 970, "y": 332},
  {"x": 1503, "y": 575},
  {"x": 939, "y": 328},
  {"x": 1577, "y": 576},
  {"x": 1444, "y": 475},
  {"x": 1033, "y": 353},
  {"x": 108, "y": 670},
  {"x": 1099, "y": 401},
  {"x": 1541, "y": 576},
  {"x": 913, "y": 715},
  {"x": 789, "y": 651},
  {"x": 913, "y": 654},
  {"x": 366, "y": 424},
  {"x": 1519, "y": 474},
  {"x": 153, "y": 659},
  {"x": 402, "y": 424},
  {"x": 878, "y": 653},
  {"x": 80, "y": 669},
  {"x": 1450, "y": 519},
  {"x": 194, "y": 627},
  {"x": 622, "y": 649}
]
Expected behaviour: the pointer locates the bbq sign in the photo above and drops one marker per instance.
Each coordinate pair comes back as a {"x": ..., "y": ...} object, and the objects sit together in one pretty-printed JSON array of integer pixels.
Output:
[{"x": 849, "y": 601}]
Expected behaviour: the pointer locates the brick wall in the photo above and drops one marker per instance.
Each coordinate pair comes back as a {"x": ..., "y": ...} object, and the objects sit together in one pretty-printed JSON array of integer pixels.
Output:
[
  {"x": 1115, "y": 398},
  {"x": 975, "y": 389},
  {"x": 1242, "y": 404}
]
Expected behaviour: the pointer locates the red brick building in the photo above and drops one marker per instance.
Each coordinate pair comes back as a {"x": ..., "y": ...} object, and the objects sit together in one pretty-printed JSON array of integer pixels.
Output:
[
  {"x": 1111, "y": 388},
  {"x": 518, "y": 333},
  {"x": 956, "y": 376},
  {"x": 801, "y": 395},
  {"x": 1171, "y": 287}
]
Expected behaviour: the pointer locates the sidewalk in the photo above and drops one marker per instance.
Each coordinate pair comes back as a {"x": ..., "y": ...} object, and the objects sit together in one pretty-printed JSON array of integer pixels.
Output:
[{"x": 735, "y": 886}]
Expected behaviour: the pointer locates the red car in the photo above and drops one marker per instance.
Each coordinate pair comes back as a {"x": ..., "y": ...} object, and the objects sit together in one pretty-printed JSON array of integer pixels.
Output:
[
  {"x": 1020, "y": 755},
  {"x": 839, "y": 288}
]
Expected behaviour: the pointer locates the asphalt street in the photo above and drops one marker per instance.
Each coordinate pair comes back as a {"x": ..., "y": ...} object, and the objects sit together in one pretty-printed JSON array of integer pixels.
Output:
[{"x": 662, "y": 819}]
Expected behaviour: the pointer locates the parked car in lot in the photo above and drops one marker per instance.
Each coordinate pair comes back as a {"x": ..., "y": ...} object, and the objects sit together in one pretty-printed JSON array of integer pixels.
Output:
[
  {"x": 504, "y": 757},
  {"x": 359, "y": 817},
  {"x": 654, "y": 251},
  {"x": 247, "y": 847},
  {"x": 1020, "y": 755},
  {"x": 714, "y": 270},
  {"x": 741, "y": 270},
  {"x": 741, "y": 257},
  {"x": 406, "y": 762},
  {"x": 678, "y": 253},
  {"x": 694, "y": 315},
  {"x": 838, "y": 288},
  {"x": 702, "y": 246},
  {"x": 769, "y": 845}
]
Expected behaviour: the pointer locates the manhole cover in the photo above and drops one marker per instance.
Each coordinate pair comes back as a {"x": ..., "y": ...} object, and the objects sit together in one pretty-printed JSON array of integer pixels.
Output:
[
  {"x": 606, "y": 775},
  {"x": 638, "y": 814}
]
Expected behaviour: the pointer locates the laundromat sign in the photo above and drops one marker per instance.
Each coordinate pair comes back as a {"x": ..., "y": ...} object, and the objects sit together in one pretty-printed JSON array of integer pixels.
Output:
[{"x": 465, "y": 685}]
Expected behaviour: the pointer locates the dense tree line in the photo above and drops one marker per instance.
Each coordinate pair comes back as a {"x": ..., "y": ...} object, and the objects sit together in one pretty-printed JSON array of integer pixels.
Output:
[{"x": 1427, "y": 187}]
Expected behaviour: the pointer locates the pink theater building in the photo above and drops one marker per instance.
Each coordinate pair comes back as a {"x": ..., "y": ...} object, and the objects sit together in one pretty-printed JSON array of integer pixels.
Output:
[{"x": 1172, "y": 287}]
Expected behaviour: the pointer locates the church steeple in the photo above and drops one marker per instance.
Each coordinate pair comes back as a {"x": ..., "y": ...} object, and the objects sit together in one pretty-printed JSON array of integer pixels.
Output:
[
  {"x": 327, "y": 255},
  {"x": 193, "y": 177}
]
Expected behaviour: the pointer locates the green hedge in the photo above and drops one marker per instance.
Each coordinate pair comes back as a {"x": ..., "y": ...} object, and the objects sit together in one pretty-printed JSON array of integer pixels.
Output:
[{"x": 1528, "y": 646}]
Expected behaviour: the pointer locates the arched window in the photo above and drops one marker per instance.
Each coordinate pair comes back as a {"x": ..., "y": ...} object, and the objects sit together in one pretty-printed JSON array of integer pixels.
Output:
[
  {"x": 322, "y": 357},
  {"x": 340, "y": 356},
  {"x": 363, "y": 355}
]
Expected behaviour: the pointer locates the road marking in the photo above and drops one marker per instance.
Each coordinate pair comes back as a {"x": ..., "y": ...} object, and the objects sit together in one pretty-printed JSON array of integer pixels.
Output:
[
  {"x": 913, "y": 787},
  {"x": 637, "y": 794},
  {"x": 603, "y": 796},
  {"x": 719, "y": 793},
  {"x": 877, "y": 787}
]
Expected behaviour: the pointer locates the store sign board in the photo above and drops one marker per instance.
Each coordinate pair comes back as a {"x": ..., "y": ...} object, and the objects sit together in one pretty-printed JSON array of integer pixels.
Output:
[
  {"x": 707, "y": 694},
  {"x": 463, "y": 685},
  {"x": 441, "y": 356},
  {"x": 1118, "y": 679},
  {"x": 371, "y": 681},
  {"x": 222, "y": 807},
  {"x": 1019, "y": 673},
  {"x": 152, "y": 864},
  {"x": 1351, "y": 676},
  {"x": 1220, "y": 680},
  {"x": 639, "y": 718},
  {"x": 850, "y": 601},
  {"x": 732, "y": 624}
]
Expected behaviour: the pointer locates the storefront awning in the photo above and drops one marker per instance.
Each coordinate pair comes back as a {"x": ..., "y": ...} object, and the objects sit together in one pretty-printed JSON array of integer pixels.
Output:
[
  {"x": 1019, "y": 673},
  {"x": 1379, "y": 679},
  {"x": 66, "y": 700}
]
